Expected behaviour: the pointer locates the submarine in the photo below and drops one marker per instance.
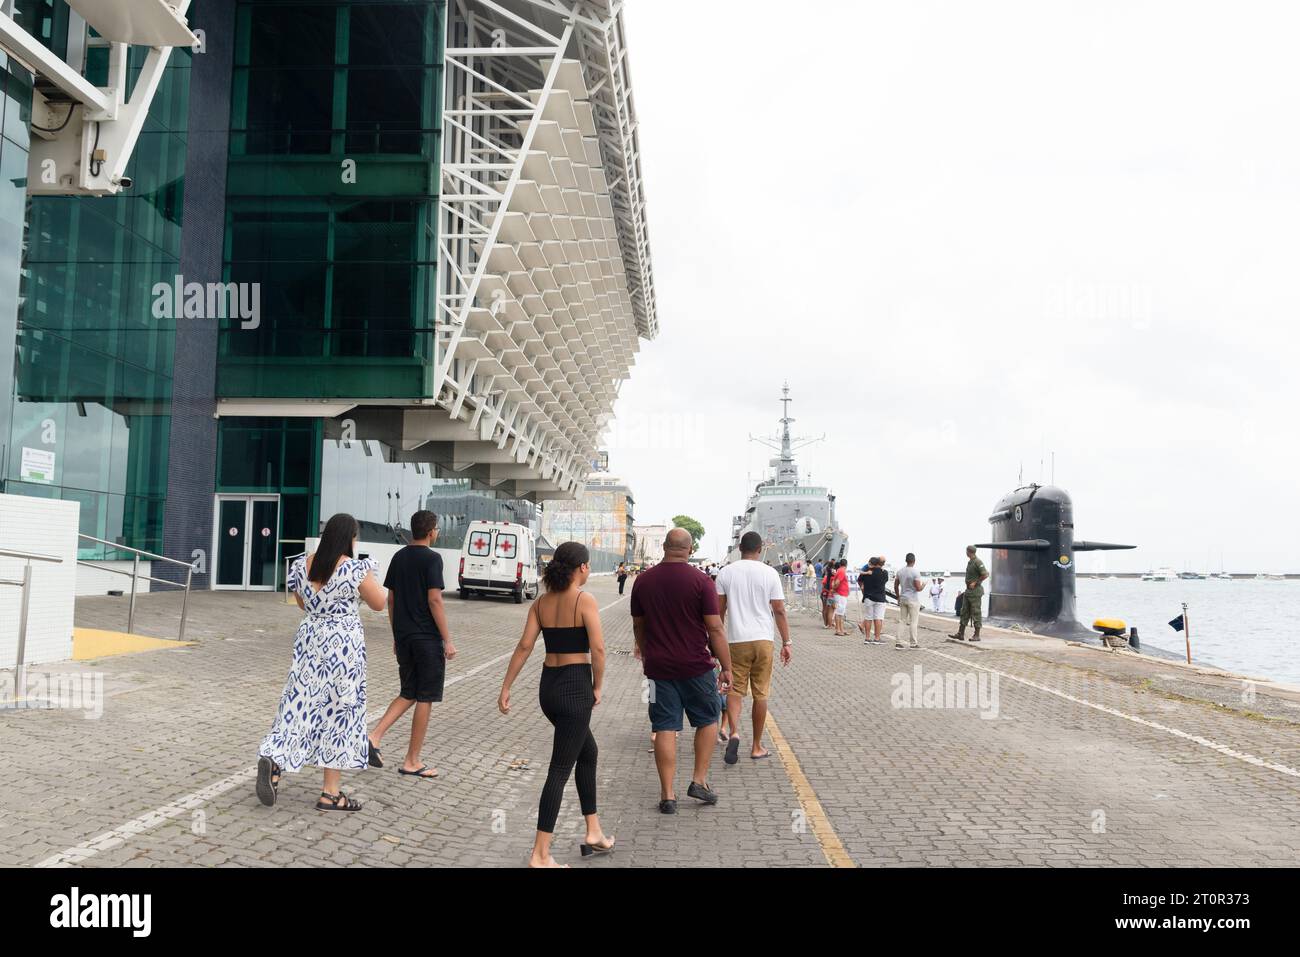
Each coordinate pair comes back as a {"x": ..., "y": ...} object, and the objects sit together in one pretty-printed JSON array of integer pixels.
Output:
[{"x": 1031, "y": 575}]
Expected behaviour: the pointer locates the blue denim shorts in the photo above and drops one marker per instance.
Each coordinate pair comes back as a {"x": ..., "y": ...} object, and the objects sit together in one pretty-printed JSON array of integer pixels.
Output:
[{"x": 697, "y": 696}]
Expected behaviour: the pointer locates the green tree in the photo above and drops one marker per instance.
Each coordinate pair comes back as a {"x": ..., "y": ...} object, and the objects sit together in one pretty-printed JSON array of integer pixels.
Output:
[{"x": 692, "y": 526}]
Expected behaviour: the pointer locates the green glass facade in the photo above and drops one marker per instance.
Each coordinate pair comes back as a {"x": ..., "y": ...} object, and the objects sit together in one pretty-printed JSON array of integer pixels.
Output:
[
  {"x": 92, "y": 380},
  {"x": 332, "y": 198},
  {"x": 15, "y": 114},
  {"x": 275, "y": 456},
  {"x": 320, "y": 198}
]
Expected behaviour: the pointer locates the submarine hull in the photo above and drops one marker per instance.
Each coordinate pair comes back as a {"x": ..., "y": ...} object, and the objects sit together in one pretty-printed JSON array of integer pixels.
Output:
[{"x": 1031, "y": 575}]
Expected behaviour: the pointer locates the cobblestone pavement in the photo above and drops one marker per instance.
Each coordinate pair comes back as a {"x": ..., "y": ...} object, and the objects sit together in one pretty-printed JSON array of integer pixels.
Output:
[{"x": 1067, "y": 760}]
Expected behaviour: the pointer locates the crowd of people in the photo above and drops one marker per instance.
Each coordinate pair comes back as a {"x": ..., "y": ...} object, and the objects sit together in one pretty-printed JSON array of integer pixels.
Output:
[
  {"x": 705, "y": 638},
  {"x": 908, "y": 585}
]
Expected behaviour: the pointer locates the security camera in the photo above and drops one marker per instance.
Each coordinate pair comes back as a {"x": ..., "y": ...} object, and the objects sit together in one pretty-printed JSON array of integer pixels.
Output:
[{"x": 125, "y": 182}]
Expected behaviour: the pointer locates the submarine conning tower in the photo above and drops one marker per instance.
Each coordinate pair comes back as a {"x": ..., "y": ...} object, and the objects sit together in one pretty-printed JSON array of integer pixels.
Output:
[{"x": 1031, "y": 575}]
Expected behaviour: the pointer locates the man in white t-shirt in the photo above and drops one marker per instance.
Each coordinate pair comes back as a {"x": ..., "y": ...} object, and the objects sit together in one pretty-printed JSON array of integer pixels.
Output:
[
  {"x": 752, "y": 605},
  {"x": 907, "y": 586}
]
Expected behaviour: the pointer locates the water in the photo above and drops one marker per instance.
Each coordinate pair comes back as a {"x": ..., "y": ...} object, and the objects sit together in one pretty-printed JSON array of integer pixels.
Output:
[{"x": 1241, "y": 625}]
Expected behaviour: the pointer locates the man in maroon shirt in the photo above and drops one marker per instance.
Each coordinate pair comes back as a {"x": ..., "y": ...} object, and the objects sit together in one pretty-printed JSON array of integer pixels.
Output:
[{"x": 678, "y": 634}]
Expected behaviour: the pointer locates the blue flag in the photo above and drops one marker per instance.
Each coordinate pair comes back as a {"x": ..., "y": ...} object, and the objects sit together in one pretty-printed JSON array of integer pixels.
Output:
[{"x": 1177, "y": 623}]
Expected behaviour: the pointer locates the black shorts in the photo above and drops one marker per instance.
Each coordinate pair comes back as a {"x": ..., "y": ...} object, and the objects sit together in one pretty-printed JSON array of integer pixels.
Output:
[{"x": 421, "y": 668}]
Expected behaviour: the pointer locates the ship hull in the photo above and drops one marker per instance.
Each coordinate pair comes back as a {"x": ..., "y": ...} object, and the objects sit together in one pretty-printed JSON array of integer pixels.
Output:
[{"x": 810, "y": 548}]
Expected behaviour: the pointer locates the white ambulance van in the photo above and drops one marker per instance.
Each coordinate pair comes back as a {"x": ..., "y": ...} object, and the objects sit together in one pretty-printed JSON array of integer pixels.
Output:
[{"x": 498, "y": 558}]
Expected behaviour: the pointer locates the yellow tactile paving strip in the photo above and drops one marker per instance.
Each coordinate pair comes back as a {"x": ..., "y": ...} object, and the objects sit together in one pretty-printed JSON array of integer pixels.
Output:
[{"x": 88, "y": 643}]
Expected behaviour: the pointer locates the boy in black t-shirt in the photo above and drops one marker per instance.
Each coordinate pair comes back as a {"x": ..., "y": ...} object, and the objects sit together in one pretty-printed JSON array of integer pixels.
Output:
[{"x": 421, "y": 640}]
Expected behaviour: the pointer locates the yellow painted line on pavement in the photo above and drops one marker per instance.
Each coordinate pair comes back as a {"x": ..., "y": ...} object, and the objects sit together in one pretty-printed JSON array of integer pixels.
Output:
[
  {"x": 90, "y": 643},
  {"x": 814, "y": 813}
]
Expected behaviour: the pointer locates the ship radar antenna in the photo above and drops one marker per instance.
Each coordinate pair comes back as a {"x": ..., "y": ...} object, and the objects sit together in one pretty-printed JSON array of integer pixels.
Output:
[{"x": 787, "y": 473}]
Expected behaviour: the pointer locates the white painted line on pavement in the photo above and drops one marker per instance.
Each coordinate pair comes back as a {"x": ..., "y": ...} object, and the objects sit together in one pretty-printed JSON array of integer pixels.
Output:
[
  {"x": 151, "y": 819},
  {"x": 147, "y": 821},
  {"x": 1186, "y": 736}
]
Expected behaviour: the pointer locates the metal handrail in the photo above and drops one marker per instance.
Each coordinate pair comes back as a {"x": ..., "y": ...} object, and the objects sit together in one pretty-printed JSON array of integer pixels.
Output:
[
  {"x": 290, "y": 541},
  {"x": 136, "y": 554},
  {"x": 20, "y": 681},
  {"x": 91, "y": 563},
  {"x": 288, "y": 560},
  {"x": 31, "y": 556},
  {"x": 136, "y": 551}
]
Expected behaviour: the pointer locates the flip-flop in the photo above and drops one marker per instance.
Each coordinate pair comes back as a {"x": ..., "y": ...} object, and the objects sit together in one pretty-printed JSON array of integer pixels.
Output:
[
  {"x": 760, "y": 757},
  {"x": 418, "y": 773},
  {"x": 374, "y": 757},
  {"x": 733, "y": 746}
]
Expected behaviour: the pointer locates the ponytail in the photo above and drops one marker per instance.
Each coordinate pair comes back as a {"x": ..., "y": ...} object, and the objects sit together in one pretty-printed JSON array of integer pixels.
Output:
[{"x": 569, "y": 557}]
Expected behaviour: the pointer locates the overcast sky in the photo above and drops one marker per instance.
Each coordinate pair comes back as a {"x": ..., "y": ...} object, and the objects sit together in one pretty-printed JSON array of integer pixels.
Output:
[{"x": 970, "y": 235}]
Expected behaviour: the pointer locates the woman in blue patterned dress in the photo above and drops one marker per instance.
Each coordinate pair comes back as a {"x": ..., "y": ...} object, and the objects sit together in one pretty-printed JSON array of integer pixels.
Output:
[{"x": 322, "y": 715}]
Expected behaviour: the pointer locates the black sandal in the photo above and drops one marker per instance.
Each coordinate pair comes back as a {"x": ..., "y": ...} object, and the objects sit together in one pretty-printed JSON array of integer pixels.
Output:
[
  {"x": 330, "y": 802},
  {"x": 374, "y": 756},
  {"x": 588, "y": 850},
  {"x": 268, "y": 780}
]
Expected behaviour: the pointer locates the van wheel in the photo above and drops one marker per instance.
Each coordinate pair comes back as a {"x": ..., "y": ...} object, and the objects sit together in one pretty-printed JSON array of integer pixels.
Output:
[
  {"x": 518, "y": 596},
  {"x": 462, "y": 593}
]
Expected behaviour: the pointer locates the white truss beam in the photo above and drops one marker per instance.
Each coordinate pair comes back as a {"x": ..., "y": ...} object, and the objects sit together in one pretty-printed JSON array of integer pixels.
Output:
[{"x": 537, "y": 314}]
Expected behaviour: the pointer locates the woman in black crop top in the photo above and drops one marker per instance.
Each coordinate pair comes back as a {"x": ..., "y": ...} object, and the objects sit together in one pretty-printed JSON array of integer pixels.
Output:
[{"x": 569, "y": 622}]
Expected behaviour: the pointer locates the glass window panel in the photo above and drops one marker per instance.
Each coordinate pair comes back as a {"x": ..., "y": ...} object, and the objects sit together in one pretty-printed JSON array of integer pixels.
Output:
[
  {"x": 299, "y": 449},
  {"x": 290, "y": 110},
  {"x": 291, "y": 35},
  {"x": 278, "y": 236},
  {"x": 249, "y": 457},
  {"x": 507, "y": 545},
  {"x": 387, "y": 33},
  {"x": 385, "y": 108},
  {"x": 294, "y": 520}
]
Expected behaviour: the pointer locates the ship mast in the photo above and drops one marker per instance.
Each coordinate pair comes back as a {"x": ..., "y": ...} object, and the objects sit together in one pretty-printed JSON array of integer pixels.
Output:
[{"x": 787, "y": 473}]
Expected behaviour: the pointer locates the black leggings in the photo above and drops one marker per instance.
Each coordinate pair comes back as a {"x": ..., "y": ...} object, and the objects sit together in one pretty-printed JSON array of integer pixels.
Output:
[{"x": 567, "y": 699}]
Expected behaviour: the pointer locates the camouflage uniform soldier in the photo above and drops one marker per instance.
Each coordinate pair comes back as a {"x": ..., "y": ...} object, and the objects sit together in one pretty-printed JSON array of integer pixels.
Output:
[{"x": 973, "y": 598}]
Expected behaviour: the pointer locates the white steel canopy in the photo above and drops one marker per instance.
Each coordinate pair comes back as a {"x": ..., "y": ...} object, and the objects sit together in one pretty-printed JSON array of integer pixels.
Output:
[{"x": 544, "y": 266}]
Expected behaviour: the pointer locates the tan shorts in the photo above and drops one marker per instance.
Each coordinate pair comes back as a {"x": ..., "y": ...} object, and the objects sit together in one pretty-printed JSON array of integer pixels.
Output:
[{"x": 751, "y": 664}]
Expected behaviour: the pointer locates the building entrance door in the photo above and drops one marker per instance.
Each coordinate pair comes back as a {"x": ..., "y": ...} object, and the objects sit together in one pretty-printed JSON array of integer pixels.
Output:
[{"x": 247, "y": 537}]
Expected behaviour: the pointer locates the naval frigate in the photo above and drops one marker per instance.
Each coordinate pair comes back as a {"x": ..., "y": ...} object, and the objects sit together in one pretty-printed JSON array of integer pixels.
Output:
[{"x": 797, "y": 521}]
